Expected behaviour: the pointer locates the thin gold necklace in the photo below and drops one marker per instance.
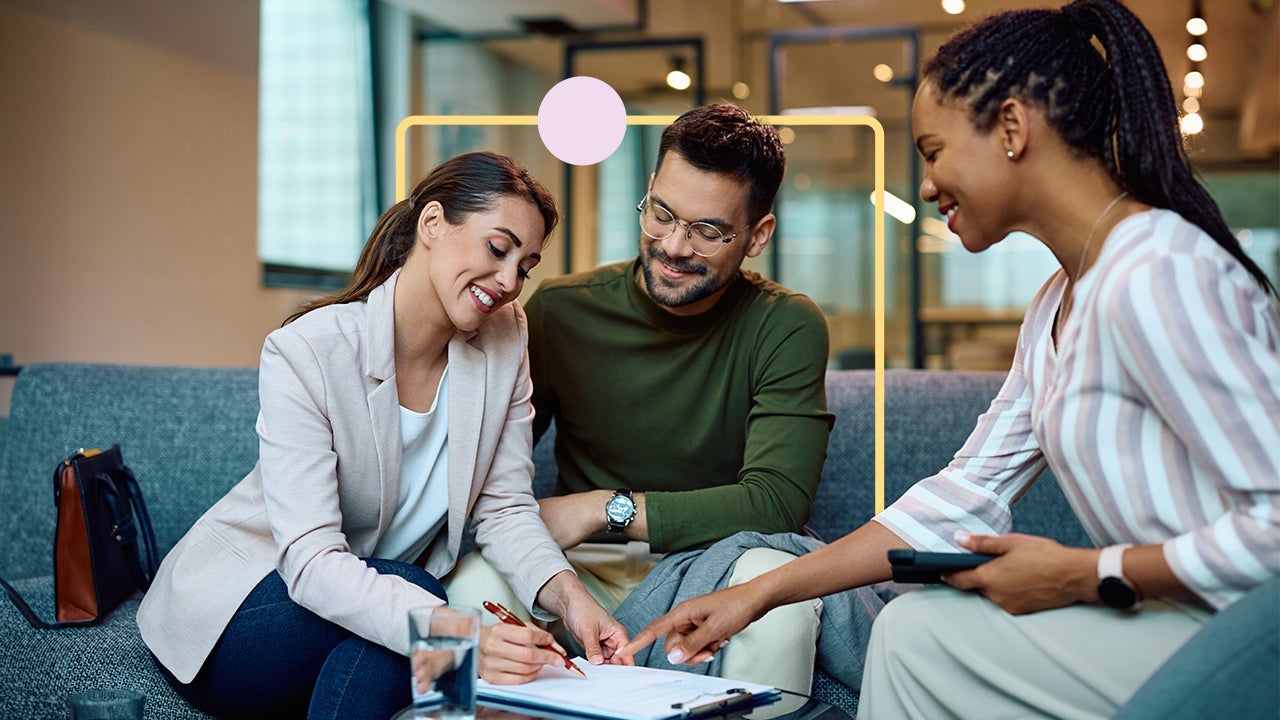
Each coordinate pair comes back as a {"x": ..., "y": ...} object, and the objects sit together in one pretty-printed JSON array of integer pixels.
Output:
[{"x": 1069, "y": 301}]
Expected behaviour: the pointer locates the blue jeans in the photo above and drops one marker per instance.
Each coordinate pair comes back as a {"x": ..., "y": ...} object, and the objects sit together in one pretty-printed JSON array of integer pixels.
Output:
[{"x": 277, "y": 659}]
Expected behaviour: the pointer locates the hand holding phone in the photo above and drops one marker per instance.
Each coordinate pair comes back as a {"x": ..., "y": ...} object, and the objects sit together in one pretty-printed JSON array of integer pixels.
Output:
[{"x": 912, "y": 566}]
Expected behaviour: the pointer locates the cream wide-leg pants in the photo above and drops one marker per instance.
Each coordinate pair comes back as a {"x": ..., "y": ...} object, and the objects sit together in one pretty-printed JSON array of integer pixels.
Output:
[
  {"x": 942, "y": 653},
  {"x": 775, "y": 650}
]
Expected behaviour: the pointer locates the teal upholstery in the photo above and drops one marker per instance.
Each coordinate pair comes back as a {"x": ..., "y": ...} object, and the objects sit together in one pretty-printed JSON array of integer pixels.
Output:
[{"x": 188, "y": 434}]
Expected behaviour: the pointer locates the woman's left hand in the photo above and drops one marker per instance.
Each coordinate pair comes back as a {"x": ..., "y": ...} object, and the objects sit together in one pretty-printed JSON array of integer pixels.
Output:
[
  {"x": 1031, "y": 573},
  {"x": 599, "y": 633}
]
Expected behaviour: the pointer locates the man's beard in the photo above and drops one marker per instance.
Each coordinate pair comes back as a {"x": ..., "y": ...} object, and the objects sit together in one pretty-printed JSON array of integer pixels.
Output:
[{"x": 665, "y": 294}]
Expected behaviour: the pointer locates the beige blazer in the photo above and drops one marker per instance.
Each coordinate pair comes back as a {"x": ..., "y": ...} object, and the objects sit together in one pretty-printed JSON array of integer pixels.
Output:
[{"x": 326, "y": 484}]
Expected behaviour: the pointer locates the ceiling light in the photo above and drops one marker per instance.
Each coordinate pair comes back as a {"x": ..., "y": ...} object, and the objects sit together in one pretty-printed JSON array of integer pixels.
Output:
[
  {"x": 1191, "y": 105},
  {"x": 678, "y": 79},
  {"x": 883, "y": 73},
  {"x": 866, "y": 110},
  {"x": 953, "y": 7},
  {"x": 1192, "y": 123},
  {"x": 1194, "y": 79},
  {"x": 1197, "y": 26},
  {"x": 1191, "y": 92},
  {"x": 786, "y": 135},
  {"x": 1197, "y": 52},
  {"x": 741, "y": 90},
  {"x": 899, "y": 209}
]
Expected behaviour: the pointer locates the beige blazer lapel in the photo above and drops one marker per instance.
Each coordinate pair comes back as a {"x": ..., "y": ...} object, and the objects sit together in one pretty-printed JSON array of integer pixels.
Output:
[
  {"x": 384, "y": 400},
  {"x": 467, "y": 378}
]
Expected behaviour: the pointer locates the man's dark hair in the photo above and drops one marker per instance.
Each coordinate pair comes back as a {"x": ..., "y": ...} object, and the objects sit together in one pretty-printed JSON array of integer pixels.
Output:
[{"x": 723, "y": 138}]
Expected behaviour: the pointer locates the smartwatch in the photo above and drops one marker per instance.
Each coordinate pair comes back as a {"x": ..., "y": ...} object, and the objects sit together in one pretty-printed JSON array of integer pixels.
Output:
[
  {"x": 620, "y": 511},
  {"x": 1113, "y": 589}
]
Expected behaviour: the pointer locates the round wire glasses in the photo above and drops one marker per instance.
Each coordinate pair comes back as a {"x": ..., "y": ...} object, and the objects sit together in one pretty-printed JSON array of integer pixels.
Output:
[{"x": 704, "y": 239}]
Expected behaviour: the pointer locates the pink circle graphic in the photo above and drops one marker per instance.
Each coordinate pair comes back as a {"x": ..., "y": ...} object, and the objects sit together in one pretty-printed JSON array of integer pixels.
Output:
[{"x": 582, "y": 120}]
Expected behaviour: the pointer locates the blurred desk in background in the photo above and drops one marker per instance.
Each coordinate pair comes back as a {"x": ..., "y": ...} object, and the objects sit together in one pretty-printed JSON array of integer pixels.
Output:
[{"x": 970, "y": 338}]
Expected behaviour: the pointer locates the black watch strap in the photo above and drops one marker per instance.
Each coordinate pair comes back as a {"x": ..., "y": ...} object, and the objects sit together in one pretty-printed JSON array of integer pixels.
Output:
[{"x": 620, "y": 511}]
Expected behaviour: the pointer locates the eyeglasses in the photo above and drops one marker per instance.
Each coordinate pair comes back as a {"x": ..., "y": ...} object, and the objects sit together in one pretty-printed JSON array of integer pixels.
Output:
[{"x": 658, "y": 223}]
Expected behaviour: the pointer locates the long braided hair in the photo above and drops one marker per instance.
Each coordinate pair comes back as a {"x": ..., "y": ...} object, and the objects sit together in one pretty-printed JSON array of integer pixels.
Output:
[
  {"x": 1118, "y": 107},
  {"x": 466, "y": 184}
]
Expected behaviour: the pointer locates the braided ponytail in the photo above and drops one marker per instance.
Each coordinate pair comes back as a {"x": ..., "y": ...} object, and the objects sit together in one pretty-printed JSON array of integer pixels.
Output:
[
  {"x": 1150, "y": 154},
  {"x": 1118, "y": 108}
]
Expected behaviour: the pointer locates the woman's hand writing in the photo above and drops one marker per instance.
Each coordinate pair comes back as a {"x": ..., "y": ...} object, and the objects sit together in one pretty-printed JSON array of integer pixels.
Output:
[{"x": 510, "y": 654}]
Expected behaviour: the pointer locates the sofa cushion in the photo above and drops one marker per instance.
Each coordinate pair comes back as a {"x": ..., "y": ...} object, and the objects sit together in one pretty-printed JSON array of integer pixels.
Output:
[
  {"x": 928, "y": 416},
  {"x": 107, "y": 655},
  {"x": 187, "y": 433}
]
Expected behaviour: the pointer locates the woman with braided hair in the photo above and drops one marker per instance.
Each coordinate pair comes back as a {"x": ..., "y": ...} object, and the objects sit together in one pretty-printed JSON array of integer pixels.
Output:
[{"x": 1147, "y": 377}]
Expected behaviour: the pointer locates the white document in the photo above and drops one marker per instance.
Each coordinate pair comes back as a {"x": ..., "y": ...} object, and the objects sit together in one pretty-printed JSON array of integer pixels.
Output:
[{"x": 628, "y": 693}]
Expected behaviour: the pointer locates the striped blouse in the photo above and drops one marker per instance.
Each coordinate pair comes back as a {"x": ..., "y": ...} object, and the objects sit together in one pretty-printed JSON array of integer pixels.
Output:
[{"x": 1160, "y": 415}]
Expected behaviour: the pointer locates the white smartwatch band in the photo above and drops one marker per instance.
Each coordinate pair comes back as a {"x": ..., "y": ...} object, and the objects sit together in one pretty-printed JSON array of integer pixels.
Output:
[
  {"x": 1111, "y": 561},
  {"x": 1114, "y": 590}
]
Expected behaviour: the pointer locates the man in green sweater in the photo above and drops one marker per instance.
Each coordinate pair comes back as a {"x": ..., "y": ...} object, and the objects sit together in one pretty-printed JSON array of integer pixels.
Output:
[{"x": 688, "y": 394}]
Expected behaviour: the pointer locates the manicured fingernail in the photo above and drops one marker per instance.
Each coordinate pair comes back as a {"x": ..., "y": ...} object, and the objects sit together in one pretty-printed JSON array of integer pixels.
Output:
[
  {"x": 708, "y": 659},
  {"x": 962, "y": 536},
  {"x": 724, "y": 643},
  {"x": 675, "y": 656}
]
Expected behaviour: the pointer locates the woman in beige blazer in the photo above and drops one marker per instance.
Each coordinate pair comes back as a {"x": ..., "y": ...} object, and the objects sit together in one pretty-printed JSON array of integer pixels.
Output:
[{"x": 391, "y": 414}]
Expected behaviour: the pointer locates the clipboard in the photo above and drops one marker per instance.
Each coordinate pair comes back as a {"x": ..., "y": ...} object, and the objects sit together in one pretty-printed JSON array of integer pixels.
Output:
[{"x": 615, "y": 692}]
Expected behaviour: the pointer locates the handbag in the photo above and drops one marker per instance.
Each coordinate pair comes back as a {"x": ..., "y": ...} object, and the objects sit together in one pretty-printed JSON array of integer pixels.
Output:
[{"x": 102, "y": 520}]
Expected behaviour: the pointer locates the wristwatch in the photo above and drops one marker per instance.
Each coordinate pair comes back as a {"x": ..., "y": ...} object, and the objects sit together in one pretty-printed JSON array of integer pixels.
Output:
[
  {"x": 1113, "y": 589},
  {"x": 620, "y": 511}
]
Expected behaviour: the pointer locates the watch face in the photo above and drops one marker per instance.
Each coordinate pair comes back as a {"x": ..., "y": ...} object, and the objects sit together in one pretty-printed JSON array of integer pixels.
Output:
[
  {"x": 620, "y": 509},
  {"x": 1116, "y": 593}
]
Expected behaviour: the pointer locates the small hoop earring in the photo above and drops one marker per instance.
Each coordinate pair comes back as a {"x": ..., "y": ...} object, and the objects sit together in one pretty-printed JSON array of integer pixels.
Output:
[{"x": 1010, "y": 154}]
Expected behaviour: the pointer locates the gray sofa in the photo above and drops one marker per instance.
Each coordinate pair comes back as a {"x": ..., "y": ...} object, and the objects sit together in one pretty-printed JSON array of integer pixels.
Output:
[{"x": 188, "y": 434}]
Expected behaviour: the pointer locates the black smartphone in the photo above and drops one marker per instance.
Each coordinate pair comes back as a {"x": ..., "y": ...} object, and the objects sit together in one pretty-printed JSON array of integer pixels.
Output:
[{"x": 912, "y": 566}]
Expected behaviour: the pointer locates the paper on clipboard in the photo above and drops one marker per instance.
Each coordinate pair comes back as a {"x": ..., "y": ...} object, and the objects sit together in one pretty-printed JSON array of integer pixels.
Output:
[{"x": 629, "y": 693}]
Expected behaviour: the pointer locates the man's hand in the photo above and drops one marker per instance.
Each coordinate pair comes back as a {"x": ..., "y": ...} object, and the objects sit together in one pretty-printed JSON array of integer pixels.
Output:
[
  {"x": 572, "y": 519},
  {"x": 697, "y": 628},
  {"x": 599, "y": 633},
  {"x": 1031, "y": 573}
]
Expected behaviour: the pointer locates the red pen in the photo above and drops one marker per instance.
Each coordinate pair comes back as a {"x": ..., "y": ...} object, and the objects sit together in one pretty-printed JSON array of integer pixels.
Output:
[{"x": 505, "y": 616}]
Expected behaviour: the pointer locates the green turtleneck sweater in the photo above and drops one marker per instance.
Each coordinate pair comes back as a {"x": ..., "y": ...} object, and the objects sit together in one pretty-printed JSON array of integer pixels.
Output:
[{"x": 719, "y": 418}]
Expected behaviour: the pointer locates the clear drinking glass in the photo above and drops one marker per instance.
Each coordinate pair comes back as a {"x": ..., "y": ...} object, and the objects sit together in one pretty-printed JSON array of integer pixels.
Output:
[{"x": 444, "y": 642}]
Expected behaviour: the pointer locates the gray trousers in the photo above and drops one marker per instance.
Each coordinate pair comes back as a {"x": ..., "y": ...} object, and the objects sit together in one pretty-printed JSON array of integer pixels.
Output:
[{"x": 941, "y": 653}]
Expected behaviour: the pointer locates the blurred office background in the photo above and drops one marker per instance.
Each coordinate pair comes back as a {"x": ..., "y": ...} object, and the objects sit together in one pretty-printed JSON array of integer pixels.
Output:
[{"x": 180, "y": 175}]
